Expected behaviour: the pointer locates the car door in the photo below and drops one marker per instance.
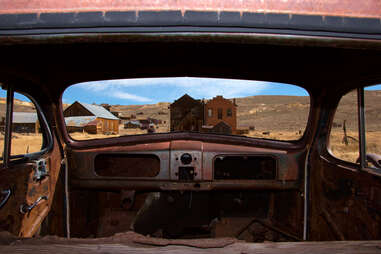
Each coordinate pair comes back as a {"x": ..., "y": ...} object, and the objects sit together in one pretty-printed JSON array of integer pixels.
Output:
[
  {"x": 30, "y": 165},
  {"x": 346, "y": 177}
]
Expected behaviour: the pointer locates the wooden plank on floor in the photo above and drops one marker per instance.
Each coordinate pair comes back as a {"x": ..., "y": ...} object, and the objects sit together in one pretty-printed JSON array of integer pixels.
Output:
[{"x": 348, "y": 247}]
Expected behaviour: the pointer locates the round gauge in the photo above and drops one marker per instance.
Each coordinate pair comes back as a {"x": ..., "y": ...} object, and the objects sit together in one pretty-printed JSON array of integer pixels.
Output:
[{"x": 186, "y": 158}]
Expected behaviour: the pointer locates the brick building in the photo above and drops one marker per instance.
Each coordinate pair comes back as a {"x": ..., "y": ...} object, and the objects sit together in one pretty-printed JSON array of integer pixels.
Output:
[{"x": 219, "y": 110}]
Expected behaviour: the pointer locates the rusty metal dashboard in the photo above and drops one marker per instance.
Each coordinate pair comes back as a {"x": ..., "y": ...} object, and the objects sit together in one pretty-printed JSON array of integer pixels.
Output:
[{"x": 184, "y": 165}]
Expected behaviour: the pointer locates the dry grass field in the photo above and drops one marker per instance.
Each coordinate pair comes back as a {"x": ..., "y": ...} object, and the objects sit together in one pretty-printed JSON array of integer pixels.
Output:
[
  {"x": 342, "y": 151},
  {"x": 23, "y": 143},
  {"x": 350, "y": 152},
  {"x": 277, "y": 135}
]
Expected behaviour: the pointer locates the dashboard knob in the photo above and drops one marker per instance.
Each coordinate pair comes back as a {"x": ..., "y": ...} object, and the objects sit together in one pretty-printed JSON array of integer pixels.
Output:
[{"x": 186, "y": 158}]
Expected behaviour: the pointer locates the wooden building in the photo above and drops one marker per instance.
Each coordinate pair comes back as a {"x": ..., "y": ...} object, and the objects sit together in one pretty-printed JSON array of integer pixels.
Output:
[
  {"x": 79, "y": 124},
  {"x": 24, "y": 122},
  {"x": 186, "y": 114},
  {"x": 219, "y": 110},
  {"x": 132, "y": 125},
  {"x": 90, "y": 118}
]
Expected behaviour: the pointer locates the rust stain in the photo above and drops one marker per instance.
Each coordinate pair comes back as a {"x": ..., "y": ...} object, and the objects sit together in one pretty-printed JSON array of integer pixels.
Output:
[
  {"x": 132, "y": 148},
  {"x": 198, "y": 243},
  {"x": 347, "y": 8},
  {"x": 186, "y": 145}
]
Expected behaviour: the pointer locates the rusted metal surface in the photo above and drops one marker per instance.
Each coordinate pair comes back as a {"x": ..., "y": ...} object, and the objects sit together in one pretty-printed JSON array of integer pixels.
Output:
[
  {"x": 196, "y": 163},
  {"x": 186, "y": 145},
  {"x": 338, "y": 234},
  {"x": 127, "y": 165},
  {"x": 203, "y": 154},
  {"x": 32, "y": 220},
  {"x": 32, "y": 197},
  {"x": 82, "y": 161},
  {"x": 350, "y": 198},
  {"x": 352, "y": 8},
  {"x": 16, "y": 180},
  {"x": 26, "y": 192},
  {"x": 114, "y": 184},
  {"x": 341, "y": 200}
]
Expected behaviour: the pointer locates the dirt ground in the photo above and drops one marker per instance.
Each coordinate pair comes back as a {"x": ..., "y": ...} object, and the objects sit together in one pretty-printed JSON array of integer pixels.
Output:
[
  {"x": 350, "y": 152},
  {"x": 278, "y": 135}
]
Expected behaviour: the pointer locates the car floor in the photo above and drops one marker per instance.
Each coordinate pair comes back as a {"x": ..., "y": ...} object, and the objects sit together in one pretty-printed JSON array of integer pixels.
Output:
[{"x": 131, "y": 242}]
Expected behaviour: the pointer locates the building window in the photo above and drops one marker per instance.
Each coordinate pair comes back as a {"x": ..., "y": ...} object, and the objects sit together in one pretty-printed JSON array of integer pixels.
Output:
[
  {"x": 229, "y": 112},
  {"x": 219, "y": 113},
  {"x": 210, "y": 112}
]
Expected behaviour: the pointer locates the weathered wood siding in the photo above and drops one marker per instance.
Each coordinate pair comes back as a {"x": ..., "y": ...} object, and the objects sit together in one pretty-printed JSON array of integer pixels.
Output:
[
  {"x": 187, "y": 114},
  {"x": 76, "y": 109}
]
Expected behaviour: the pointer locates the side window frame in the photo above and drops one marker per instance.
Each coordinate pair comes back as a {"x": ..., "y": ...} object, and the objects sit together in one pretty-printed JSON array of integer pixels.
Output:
[
  {"x": 361, "y": 127},
  {"x": 362, "y": 133},
  {"x": 362, "y": 163},
  {"x": 47, "y": 138}
]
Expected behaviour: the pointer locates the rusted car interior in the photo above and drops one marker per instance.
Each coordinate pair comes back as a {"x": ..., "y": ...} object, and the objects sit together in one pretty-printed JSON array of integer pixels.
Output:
[{"x": 185, "y": 184}]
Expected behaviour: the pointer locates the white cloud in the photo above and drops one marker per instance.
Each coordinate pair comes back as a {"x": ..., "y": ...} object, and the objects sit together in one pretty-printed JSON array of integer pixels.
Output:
[
  {"x": 128, "y": 96},
  {"x": 196, "y": 87}
]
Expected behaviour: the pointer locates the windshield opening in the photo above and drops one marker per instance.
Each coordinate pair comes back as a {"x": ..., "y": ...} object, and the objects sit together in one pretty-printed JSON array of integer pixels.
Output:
[{"x": 113, "y": 108}]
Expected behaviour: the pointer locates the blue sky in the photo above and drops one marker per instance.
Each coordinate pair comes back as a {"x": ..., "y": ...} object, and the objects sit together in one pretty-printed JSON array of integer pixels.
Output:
[
  {"x": 17, "y": 96},
  {"x": 154, "y": 90}
]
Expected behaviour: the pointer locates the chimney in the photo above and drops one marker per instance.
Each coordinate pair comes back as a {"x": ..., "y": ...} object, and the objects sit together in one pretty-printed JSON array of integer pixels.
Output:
[{"x": 106, "y": 106}]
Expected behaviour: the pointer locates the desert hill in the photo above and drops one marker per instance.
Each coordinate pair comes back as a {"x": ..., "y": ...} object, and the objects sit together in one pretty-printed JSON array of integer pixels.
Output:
[
  {"x": 271, "y": 112},
  {"x": 348, "y": 110},
  {"x": 262, "y": 112},
  {"x": 157, "y": 111},
  {"x": 19, "y": 106}
]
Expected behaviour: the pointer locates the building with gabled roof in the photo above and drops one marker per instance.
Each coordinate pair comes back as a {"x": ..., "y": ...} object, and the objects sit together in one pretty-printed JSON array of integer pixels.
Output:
[
  {"x": 186, "y": 113},
  {"x": 90, "y": 118},
  {"x": 25, "y": 122},
  {"x": 22, "y": 122}
]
